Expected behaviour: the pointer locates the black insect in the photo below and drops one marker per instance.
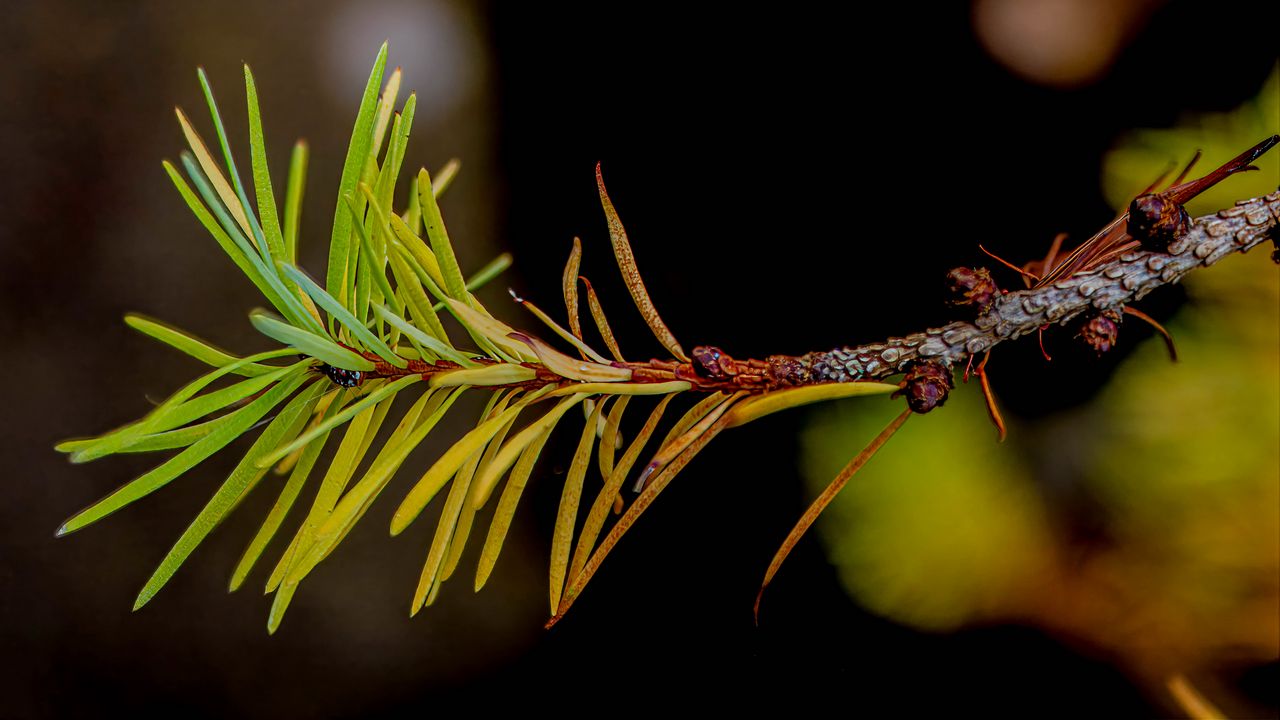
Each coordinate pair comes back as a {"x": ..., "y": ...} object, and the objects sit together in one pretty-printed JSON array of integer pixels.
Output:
[{"x": 344, "y": 378}]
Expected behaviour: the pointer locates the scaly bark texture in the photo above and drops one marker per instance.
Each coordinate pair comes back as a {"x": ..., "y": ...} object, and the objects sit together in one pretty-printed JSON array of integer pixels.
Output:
[{"x": 1109, "y": 286}]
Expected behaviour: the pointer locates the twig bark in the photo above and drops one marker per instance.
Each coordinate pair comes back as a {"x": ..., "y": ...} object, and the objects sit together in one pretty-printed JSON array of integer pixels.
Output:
[{"x": 1110, "y": 286}]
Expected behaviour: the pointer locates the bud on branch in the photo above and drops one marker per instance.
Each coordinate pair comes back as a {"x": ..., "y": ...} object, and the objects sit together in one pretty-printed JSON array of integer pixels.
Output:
[{"x": 1110, "y": 286}]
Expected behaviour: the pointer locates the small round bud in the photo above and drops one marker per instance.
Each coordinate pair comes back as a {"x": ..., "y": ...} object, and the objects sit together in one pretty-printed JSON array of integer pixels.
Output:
[
  {"x": 787, "y": 370},
  {"x": 1156, "y": 221},
  {"x": 926, "y": 386},
  {"x": 971, "y": 286},
  {"x": 713, "y": 363},
  {"x": 1100, "y": 331}
]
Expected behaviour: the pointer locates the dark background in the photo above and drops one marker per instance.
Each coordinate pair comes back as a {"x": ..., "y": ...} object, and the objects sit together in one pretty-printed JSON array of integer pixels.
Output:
[{"x": 790, "y": 180}]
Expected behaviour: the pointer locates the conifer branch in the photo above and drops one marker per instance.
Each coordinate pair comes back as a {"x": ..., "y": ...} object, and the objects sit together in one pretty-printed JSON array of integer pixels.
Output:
[{"x": 390, "y": 275}]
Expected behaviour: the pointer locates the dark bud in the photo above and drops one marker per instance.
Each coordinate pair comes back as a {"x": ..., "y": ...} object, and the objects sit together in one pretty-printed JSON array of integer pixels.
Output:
[
  {"x": 1156, "y": 221},
  {"x": 340, "y": 377},
  {"x": 787, "y": 370},
  {"x": 713, "y": 363},
  {"x": 926, "y": 386},
  {"x": 1099, "y": 332},
  {"x": 971, "y": 286}
]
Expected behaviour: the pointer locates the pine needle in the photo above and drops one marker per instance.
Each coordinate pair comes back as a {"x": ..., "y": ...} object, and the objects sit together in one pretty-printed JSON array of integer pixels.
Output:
[
  {"x": 293, "y": 199},
  {"x": 507, "y": 504},
  {"x": 453, "y": 505},
  {"x": 573, "y": 339},
  {"x": 488, "y": 478},
  {"x": 610, "y": 440},
  {"x": 191, "y": 345},
  {"x": 569, "y": 285},
  {"x": 466, "y": 518},
  {"x": 631, "y": 274},
  {"x": 692, "y": 416},
  {"x": 1168, "y": 339},
  {"x": 602, "y": 322},
  {"x": 993, "y": 410},
  {"x": 452, "y": 459},
  {"x": 565, "y": 366},
  {"x": 214, "y": 173},
  {"x": 570, "y": 497},
  {"x": 242, "y": 480},
  {"x": 339, "y": 274},
  {"x": 678, "y": 446},
  {"x": 637, "y": 508},
  {"x": 288, "y": 495},
  {"x": 148, "y": 483},
  {"x": 822, "y": 501},
  {"x": 759, "y": 406},
  {"x": 605, "y": 500}
]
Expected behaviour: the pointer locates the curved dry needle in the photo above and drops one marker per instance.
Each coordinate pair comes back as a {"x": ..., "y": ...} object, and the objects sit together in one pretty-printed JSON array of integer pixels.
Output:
[
  {"x": 691, "y": 416},
  {"x": 610, "y": 443},
  {"x": 631, "y": 274},
  {"x": 609, "y": 494},
  {"x": 602, "y": 322},
  {"x": 569, "y": 287},
  {"x": 624, "y": 523},
  {"x": 1031, "y": 276},
  {"x": 677, "y": 447},
  {"x": 1040, "y": 339},
  {"x": 992, "y": 409},
  {"x": 1040, "y": 267},
  {"x": 574, "y": 338},
  {"x": 1168, "y": 339},
  {"x": 611, "y": 438},
  {"x": 822, "y": 501},
  {"x": 570, "y": 498}
]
